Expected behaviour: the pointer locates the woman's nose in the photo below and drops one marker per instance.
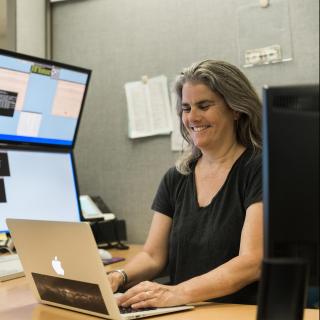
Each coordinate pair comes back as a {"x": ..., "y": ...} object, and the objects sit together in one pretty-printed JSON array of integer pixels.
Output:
[{"x": 194, "y": 113}]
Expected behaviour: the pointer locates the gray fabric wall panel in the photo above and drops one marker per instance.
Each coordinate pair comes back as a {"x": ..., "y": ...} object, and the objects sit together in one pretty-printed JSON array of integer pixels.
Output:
[{"x": 121, "y": 40}]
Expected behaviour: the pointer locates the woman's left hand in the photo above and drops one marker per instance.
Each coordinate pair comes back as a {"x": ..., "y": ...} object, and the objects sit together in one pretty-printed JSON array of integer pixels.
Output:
[{"x": 151, "y": 294}]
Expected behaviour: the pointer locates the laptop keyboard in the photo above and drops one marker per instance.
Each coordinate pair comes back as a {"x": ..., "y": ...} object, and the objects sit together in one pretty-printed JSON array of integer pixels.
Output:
[
  {"x": 124, "y": 310},
  {"x": 10, "y": 267}
]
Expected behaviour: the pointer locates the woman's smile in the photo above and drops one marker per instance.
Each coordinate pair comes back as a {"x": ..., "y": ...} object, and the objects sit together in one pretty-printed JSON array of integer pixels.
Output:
[{"x": 199, "y": 128}]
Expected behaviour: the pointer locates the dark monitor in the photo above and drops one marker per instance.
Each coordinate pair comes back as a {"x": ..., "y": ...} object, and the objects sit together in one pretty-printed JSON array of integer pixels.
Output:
[
  {"x": 40, "y": 100},
  {"x": 40, "y": 185},
  {"x": 291, "y": 174}
]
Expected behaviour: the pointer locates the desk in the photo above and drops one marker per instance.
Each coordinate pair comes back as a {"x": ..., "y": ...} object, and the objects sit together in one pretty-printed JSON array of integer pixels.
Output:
[{"x": 18, "y": 303}]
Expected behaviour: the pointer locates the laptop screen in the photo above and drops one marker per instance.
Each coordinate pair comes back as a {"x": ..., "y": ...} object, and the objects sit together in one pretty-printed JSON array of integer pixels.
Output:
[
  {"x": 40, "y": 100},
  {"x": 37, "y": 185}
]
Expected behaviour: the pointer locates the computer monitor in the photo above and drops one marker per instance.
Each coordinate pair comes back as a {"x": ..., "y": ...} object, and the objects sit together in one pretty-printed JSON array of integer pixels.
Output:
[
  {"x": 291, "y": 174},
  {"x": 40, "y": 100},
  {"x": 39, "y": 185}
]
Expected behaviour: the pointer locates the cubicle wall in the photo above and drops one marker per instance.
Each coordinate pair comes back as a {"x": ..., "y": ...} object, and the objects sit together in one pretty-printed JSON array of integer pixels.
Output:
[
  {"x": 122, "y": 40},
  {"x": 23, "y": 26}
]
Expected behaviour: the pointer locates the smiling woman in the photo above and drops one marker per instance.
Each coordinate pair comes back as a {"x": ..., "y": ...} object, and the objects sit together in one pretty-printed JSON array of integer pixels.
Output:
[
  {"x": 206, "y": 117},
  {"x": 207, "y": 225}
]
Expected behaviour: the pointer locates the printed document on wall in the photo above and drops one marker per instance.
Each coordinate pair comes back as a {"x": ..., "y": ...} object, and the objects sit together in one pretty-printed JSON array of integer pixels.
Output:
[{"x": 149, "y": 111}]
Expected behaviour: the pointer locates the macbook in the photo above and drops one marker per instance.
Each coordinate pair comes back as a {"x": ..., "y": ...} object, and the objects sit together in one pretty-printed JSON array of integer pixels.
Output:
[{"x": 63, "y": 267}]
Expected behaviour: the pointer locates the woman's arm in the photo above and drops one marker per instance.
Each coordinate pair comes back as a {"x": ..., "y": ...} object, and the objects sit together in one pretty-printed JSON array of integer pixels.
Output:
[
  {"x": 152, "y": 259},
  {"x": 224, "y": 280}
]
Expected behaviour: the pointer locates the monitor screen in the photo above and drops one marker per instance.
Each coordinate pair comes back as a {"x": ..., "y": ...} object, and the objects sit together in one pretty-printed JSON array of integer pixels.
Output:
[
  {"x": 40, "y": 100},
  {"x": 37, "y": 185},
  {"x": 291, "y": 174}
]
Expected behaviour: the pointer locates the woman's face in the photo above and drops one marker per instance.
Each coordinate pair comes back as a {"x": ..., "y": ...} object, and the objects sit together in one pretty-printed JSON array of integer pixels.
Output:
[{"x": 206, "y": 116}]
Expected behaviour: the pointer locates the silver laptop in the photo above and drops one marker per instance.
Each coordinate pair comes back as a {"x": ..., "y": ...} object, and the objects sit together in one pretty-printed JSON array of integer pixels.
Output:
[{"x": 62, "y": 264}]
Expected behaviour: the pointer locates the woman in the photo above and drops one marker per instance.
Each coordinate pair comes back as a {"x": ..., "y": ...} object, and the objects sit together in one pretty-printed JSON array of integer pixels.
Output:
[{"x": 207, "y": 224}]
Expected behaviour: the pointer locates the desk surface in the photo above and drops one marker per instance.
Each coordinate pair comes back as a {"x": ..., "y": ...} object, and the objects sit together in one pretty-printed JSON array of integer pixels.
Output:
[{"x": 18, "y": 303}]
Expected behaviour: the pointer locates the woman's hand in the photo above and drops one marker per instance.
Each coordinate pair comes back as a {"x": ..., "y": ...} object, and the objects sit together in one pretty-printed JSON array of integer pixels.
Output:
[{"x": 152, "y": 294}]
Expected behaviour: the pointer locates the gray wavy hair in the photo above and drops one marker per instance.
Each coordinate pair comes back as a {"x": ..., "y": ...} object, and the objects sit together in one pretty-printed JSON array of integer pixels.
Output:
[{"x": 228, "y": 81}]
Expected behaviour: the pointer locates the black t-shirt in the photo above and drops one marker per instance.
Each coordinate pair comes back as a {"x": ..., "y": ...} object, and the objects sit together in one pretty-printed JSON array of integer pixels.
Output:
[{"x": 203, "y": 238}]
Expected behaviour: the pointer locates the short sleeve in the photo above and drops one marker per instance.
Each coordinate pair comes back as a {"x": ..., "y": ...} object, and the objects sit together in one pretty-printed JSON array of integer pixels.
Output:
[
  {"x": 163, "y": 202},
  {"x": 253, "y": 187}
]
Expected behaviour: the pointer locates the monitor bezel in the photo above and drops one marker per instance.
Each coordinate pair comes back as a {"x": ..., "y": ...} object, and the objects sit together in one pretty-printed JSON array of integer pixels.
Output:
[{"x": 51, "y": 146}]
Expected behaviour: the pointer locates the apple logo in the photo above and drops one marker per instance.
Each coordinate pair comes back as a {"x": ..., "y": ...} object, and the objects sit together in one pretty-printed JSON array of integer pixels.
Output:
[{"x": 56, "y": 265}]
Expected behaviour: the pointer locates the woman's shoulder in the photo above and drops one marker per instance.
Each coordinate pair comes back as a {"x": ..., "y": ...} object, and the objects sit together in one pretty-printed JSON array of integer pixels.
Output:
[
  {"x": 173, "y": 173},
  {"x": 252, "y": 158},
  {"x": 250, "y": 162},
  {"x": 251, "y": 166},
  {"x": 173, "y": 177}
]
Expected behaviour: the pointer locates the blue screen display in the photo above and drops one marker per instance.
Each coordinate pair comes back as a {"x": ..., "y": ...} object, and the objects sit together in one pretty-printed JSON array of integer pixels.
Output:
[
  {"x": 40, "y": 103},
  {"x": 37, "y": 185}
]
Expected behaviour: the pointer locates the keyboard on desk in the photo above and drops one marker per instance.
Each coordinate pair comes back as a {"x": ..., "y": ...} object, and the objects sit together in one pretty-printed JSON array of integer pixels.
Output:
[
  {"x": 124, "y": 310},
  {"x": 10, "y": 267}
]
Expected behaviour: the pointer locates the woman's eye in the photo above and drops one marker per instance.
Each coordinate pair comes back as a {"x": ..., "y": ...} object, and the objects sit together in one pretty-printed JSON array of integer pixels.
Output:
[
  {"x": 205, "y": 106},
  {"x": 185, "y": 109}
]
